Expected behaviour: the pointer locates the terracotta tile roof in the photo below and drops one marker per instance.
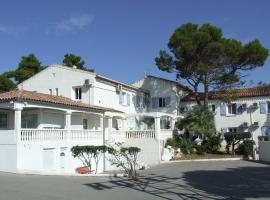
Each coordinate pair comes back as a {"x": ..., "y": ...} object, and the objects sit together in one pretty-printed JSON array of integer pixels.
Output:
[
  {"x": 238, "y": 93},
  {"x": 46, "y": 98}
]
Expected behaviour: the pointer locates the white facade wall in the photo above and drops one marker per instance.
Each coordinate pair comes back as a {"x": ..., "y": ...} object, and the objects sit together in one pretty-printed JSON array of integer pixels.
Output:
[
  {"x": 162, "y": 88},
  {"x": 63, "y": 78},
  {"x": 237, "y": 120},
  {"x": 105, "y": 95}
]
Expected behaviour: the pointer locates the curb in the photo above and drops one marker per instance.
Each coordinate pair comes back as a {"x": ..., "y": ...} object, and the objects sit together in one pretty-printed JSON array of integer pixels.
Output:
[
  {"x": 202, "y": 160},
  {"x": 67, "y": 175}
]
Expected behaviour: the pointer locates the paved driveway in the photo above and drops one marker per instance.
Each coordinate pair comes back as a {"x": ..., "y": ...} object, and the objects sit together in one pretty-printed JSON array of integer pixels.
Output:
[{"x": 193, "y": 180}]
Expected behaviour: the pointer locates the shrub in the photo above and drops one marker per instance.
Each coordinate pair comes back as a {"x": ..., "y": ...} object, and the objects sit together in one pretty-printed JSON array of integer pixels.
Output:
[
  {"x": 171, "y": 142},
  {"x": 186, "y": 146},
  {"x": 126, "y": 158},
  {"x": 234, "y": 138},
  {"x": 212, "y": 145},
  {"x": 200, "y": 149},
  {"x": 246, "y": 148}
]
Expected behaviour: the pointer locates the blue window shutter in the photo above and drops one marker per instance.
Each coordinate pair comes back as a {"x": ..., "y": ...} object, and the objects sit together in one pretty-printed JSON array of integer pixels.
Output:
[
  {"x": 154, "y": 102},
  {"x": 238, "y": 108},
  {"x": 264, "y": 130},
  {"x": 223, "y": 109},
  {"x": 128, "y": 99},
  {"x": 137, "y": 101},
  {"x": 167, "y": 101},
  {"x": 120, "y": 98},
  {"x": 263, "y": 107}
]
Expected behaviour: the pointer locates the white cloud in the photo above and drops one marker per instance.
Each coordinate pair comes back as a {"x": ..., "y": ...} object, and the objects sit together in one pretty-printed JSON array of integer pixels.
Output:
[
  {"x": 12, "y": 30},
  {"x": 73, "y": 23}
]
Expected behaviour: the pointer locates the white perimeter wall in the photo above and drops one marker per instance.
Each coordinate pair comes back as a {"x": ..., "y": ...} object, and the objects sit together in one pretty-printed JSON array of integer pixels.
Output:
[
  {"x": 264, "y": 151},
  {"x": 30, "y": 156},
  {"x": 8, "y": 151}
]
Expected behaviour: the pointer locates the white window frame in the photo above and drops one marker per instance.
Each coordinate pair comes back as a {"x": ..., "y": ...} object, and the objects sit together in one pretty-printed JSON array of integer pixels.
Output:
[
  {"x": 78, "y": 93},
  {"x": 161, "y": 102},
  {"x": 230, "y": 109}
]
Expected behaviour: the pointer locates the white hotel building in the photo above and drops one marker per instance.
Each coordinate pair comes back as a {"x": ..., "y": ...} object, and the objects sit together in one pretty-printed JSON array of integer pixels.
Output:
[{"x": 61, "y": 107}]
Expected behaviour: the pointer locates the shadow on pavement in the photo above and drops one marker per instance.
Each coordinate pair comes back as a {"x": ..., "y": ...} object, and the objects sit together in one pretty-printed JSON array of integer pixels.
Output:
[{"x": 232, "y": 183}]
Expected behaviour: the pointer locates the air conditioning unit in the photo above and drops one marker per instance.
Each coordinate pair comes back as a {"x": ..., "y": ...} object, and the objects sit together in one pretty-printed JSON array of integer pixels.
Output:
[
  {"x": 88, "y": 82},
  {"x": 245, "y": 124},
  {"x": 244, "y": 106},
  {"x": 118, "y": 88},
  {"x": 255, "y": 105},
  {"x": 256, "y": 124}
]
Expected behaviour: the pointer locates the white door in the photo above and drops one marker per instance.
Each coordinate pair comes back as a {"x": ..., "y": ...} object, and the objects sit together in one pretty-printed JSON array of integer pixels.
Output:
[{"x": 48, "y": 158}]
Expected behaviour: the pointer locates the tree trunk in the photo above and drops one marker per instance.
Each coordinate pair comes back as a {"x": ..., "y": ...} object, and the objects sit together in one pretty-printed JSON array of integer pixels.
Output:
[{"x": 206, "y": 92}]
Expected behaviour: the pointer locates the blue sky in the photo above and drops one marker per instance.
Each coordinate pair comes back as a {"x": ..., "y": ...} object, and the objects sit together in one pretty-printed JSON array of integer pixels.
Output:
[{"x": 120, "y": 39}]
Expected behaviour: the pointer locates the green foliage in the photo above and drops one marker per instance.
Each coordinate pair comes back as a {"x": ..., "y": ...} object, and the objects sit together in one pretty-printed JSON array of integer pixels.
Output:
[
  {"x": 87, "y": 153},
  {"x": 234, "y": 138},
  {"x": 171, "y": 142},
  {"x": 6, "y": 84},
  {"x": 28, "y": 66},
  {"x": 126, "y": 158},
  {"x": 263, "y": 138},
  {"x": 201, "y": 55},
  {"x": 149, "y": 121},
  {"x": 200, "y": 121},
  {"x": 212, "y": 145},
  {"x": 246, "y": 148},
  {"x": 71, "y": 60},
  {"x": 186, "y": 146}
]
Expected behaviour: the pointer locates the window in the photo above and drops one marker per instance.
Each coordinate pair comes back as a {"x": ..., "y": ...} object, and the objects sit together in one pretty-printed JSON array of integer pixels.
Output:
[
  {"x": 85, "y": 124},
  {"x": 29, "y": 121},
  {"x": 50, "y": 91},
  {"x": 232, "y": 129},
  {"x": 124, "y": 99},
  {"x": 161, "y": 102},
  {"x": 139, "y": 101},
  {"x": 268, "y": 106},
  {"x": 56, "y": 91},
  {"x": 232, "y": 108},
  {"x": 3, "y": 120},
  {"x": 78, "y": 93},
  {"x": 213, "y": 107}
]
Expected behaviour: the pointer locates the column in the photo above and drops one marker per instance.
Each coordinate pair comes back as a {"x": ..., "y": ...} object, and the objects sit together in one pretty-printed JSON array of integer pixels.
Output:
[
  {"x": 68, "y": 124},
  {"x": 157, "y": 127},
  {"x": 109, "y": 128},
  {"x": 173, "y": 123},
  {"x": 18, "y": 122},
  {"x": 157, "y": 132},
  {"x": 40, "y": 119}
]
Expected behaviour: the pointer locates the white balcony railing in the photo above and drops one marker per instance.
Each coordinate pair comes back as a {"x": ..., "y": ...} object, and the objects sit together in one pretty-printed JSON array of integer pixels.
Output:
[
  {"x": 140, "y": 134},
  {"x": 39, "y": 135}
]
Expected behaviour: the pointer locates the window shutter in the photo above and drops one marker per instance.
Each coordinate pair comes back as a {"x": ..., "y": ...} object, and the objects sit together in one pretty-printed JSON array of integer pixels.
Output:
[
  {"x": 167, "y": 101},
  {"x": 154, "y": 102},
  {"x": 137, "y": 101},
  {"x": 128, "y": 99},
  {"x": 223, "y": 109},
  {"x": 264, "y": 130},
  {"x": 238, "y": 108},
  {"x": 120, "y": 98},
  {"x": 263, "y": 107}
]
